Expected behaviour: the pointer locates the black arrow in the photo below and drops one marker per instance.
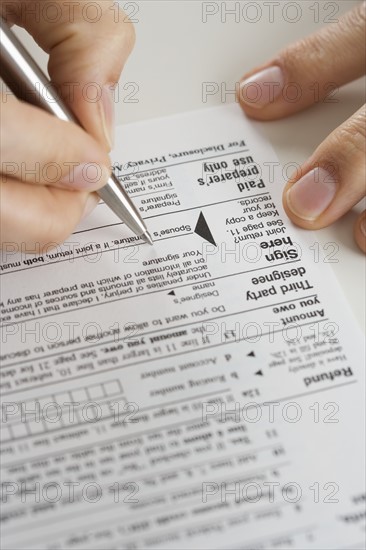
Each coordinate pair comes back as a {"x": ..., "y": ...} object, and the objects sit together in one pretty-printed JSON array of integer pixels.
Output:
[{"x": 203, "y": 230}]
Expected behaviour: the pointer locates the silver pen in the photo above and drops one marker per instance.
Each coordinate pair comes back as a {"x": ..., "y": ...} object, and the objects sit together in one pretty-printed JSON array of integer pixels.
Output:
[{"x": 27, "y": 81}]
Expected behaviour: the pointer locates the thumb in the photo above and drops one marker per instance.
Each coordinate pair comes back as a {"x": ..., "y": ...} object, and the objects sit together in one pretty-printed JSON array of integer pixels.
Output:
[{"x": 332, "y": 181}]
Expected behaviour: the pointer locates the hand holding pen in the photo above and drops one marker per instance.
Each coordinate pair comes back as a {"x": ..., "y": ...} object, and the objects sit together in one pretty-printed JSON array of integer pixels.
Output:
[{"x": 51, "y": 167}]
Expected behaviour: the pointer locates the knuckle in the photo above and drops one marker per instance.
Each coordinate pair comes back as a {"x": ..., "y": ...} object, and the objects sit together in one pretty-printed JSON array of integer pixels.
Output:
[
  {"x": 316, "y": 51},
  {"x": 352, "y": 135},
  {"x": 351, "y": 29},
  {"x": 307, "y": 54},
  {"x": 357, "y": 17}
]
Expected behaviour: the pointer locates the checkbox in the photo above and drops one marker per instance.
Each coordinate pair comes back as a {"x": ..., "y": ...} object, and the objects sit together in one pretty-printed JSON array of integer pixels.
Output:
[
  {"x": 79, "y": 395},
  {"x": 19, "y": 430},
  {"x": 36, "y": 427},
  {"x": 62, "y": 398},
  {"x": 57, "y": 424},
  {"x": 112, "y": 388},
  {"x": 5, "y": 434},
  {"x": 96, "y": 391},
  {"x": 46, "y": 402}
]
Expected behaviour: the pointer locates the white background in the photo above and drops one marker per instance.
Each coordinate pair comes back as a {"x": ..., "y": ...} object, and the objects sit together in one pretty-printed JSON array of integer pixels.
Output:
[{"x": 176, "y": 52}]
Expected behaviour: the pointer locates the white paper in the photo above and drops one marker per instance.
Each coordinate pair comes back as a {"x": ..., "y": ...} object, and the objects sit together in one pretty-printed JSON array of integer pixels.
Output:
[{"x": 207, "y": 392}]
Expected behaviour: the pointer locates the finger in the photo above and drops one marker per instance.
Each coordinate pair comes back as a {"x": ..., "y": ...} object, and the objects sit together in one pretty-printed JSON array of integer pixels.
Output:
[
  {"x": 9, "y": 11},
  {"x": 333, "y": 180},
  {"x": 37, "y": 216},
  {"x": 360, "y": 231},
  {"x": 88, "y": 43},
  {"x": 48, "y": 151},
  {"x": 307, "y": 71}
]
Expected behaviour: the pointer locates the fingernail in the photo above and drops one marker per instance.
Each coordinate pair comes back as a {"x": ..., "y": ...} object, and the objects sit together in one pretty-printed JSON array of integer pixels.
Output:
[
  {"x": 312, "y": 194},
  {"x": 108, "y": 114},
  {"x": 91, "y": 203},
  {"x": 86, "y": 176},
  {"x": 262, "y": 88}
]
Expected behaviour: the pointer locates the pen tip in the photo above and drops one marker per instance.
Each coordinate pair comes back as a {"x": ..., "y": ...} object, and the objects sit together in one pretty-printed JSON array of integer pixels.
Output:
[{"x": 147, "y": 238}]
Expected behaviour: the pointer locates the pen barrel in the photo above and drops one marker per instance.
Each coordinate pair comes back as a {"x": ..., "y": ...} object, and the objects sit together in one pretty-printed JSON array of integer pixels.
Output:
[
  {"x": 29, "y": 83},
  {"x": 120, "y": 203},
  {"x": 25, "y": 79}
]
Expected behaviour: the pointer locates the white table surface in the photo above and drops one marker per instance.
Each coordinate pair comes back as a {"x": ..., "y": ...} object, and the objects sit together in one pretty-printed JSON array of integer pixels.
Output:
[{"x": 176, "y": 52}]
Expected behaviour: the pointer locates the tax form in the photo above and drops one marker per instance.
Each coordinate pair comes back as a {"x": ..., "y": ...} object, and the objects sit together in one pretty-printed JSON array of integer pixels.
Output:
[{"x": 204, "y": 393}]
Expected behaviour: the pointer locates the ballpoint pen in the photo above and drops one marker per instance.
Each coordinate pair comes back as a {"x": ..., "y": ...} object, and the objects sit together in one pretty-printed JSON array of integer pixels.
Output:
[{"x": 27, "y": 81}]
